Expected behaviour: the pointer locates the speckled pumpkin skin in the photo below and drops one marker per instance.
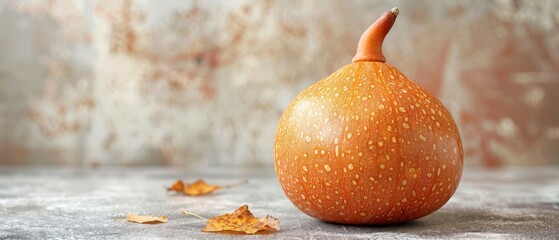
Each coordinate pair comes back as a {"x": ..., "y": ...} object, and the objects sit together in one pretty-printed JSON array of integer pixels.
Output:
[{"x": 367, "y": 146}]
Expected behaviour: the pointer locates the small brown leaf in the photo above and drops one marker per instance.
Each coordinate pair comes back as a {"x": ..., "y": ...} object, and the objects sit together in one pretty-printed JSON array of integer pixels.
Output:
[
  {"x": 145, "y": 219},
  {"x": 241, "y": 221},
  {"x": 178, "y": 186},
  {"x": 199, "y": 188}
]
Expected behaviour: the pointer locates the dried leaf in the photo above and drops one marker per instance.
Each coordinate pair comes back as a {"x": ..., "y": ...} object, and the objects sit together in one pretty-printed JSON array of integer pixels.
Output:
[
  {"x": 178, "y": 186},
  {"x": 241, "y": 221},
  {"x": 199, "y": 188},
  {"x": 145, "y": 219}
]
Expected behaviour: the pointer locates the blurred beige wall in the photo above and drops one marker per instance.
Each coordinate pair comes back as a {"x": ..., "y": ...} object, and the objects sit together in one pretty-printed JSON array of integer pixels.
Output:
[{"x": 205, "y": 82}]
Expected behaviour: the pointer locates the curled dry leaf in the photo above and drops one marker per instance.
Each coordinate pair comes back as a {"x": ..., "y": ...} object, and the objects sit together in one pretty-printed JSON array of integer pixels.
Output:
[
  {"x": 145, "y": 219},
  {"x": 178, "y": 186},
  {"x": 197, "y": 188},
  {"x": 241, "y": 221}
]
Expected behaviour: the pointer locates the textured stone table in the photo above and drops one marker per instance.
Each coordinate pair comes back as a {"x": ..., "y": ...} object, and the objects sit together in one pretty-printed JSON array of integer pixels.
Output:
[{"x": 38, "y": 203}]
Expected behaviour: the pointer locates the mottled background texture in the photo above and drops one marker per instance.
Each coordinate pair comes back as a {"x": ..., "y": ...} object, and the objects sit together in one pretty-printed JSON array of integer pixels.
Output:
[{"x": 194, "y": 83}]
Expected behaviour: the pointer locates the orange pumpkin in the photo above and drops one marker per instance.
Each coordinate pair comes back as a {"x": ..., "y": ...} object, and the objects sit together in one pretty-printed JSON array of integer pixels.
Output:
[{"x": 366, "y": 145}]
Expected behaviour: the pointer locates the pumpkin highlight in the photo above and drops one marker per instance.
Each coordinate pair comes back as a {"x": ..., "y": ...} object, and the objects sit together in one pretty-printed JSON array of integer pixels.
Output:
[{"x": 366, "y": 145}]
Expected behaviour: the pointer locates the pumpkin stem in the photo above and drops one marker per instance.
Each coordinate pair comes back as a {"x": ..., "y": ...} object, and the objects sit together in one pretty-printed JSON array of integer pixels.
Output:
[{"x": 369, "y": 47}]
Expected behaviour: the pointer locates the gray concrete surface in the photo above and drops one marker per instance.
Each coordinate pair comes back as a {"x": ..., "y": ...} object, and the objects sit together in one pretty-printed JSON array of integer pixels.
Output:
[{"x": 38, "y": 203}]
